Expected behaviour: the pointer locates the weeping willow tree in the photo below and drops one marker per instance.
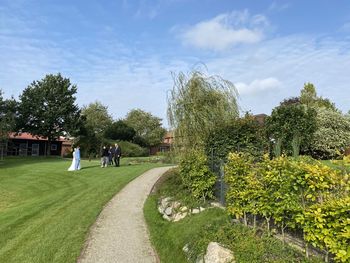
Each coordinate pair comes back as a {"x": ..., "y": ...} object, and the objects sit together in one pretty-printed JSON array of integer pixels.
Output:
[{"x": 197, "y": 105}]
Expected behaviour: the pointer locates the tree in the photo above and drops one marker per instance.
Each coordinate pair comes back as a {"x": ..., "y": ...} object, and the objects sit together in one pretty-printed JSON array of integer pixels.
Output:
[
  {"x": 197, "y": 105},
  {"x": 332, "y": 136},
  {"x": 96, "y": 121},
  {"x": 292, "y": 124},
  {"x": 119, "y": 130},
  {"x": 47, "y": 108},
  {"x": 97, "y": 118},
  {"x": 308, "y": 97},
  {"x": 148, "y": 128},
  {"x": 8, "y": 110}
]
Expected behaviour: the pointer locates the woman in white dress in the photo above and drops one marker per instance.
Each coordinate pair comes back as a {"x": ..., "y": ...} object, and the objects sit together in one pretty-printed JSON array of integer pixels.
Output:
[{"x": 72, "y": 166}]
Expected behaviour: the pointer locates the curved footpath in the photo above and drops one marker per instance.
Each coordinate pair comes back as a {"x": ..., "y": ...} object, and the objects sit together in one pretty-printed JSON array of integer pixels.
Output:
[{"x": 120, "y": 233}]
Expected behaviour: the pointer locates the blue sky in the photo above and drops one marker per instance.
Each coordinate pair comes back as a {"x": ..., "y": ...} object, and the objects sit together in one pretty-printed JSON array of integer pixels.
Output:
[{"x": 122, "y": 53}]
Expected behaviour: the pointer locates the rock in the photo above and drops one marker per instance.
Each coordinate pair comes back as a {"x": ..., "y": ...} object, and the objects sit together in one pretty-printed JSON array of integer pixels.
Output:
[
  {"x": 165, "y": 202},
  {"x": 216, "y": 204},
  {"x": 176, "y": 205},
  {"x": 186, "y": 248},
  {"x": 218, "y": 254},
  {"x": 179, "y": 216},
  {"x": 183, "y": 209},
  {"x": 160, "y": 209},
  {"x": 195, "y": 211},
  {"x": 168, "y": 211},
  {"x": 166, "y": 217},
  {"x": 201, "y": 209}
]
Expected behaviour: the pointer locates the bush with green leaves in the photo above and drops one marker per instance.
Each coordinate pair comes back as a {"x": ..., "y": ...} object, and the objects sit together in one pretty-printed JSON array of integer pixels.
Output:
[
  {"x": 129, "y": 149},
  {"x": 243, "y": 135},
  {"x": 196, "y": 175},
  {"x": 293, "y": 124},
  {"x": 295, "y": 193},
  {"x": 332, "y": 136}
]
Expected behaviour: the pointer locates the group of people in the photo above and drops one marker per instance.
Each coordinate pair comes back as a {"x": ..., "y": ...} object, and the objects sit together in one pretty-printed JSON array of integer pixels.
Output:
[{"x": 111, "y": 155}]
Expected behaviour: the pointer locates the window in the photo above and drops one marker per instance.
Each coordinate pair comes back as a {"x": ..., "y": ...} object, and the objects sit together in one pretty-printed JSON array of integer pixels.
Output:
[{"x": 53, "y": 147}]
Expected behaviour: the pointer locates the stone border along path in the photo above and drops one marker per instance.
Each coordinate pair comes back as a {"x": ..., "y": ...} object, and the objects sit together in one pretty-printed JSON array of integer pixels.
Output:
[{"x": 120, "y": 233}]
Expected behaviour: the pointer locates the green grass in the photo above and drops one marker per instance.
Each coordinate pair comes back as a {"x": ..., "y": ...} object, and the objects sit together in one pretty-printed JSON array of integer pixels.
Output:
[
  {"x": 211, "y": 225},
  {"x": 46, "y": 211}
]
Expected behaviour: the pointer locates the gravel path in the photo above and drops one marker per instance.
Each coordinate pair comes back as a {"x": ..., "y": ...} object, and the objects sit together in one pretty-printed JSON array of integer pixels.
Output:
[{"x": 120, "y": 233}]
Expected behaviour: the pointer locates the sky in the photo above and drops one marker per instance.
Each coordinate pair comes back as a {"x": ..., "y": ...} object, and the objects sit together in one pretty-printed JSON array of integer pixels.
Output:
[{"x": 124, "y": 53}]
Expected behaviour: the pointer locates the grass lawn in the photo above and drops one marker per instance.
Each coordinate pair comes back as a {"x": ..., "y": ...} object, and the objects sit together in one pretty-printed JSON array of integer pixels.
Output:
[
  {"x": 211, "y": 225},
  {"x": 46, "y": 211}
]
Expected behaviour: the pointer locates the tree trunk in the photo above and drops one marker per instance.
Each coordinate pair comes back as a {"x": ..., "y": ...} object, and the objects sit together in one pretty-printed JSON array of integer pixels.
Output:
[
  {"x": 245, "y": 219},
  {"x": 254, "y": 222}
]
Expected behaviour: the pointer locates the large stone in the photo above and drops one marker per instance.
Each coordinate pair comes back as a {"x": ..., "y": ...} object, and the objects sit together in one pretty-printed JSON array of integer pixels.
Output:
[
  {"x": 183, "y": 209},
  {"x": 179, "y": 216},
  {"x": 195, "y": 211},
  {"x": 166, "y": 217},
  {"x": 218, "y": 254},
  {"x": 168, "y": 211},
  {"x": 164, "y": 203},
  {"x": 217, "y": 204},
  {"x": 160, "y": 209},
  {"x": 176, "y": 205}
]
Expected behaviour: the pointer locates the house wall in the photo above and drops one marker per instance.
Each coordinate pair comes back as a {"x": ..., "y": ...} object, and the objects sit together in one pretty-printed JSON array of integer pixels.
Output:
[{"x": 27, "y": 147}]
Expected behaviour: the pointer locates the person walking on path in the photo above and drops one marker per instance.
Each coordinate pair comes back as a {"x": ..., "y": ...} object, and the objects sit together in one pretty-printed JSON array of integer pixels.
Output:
[
  {"x": 117, "y": 154},
  {"x": 120, "y": 232}
]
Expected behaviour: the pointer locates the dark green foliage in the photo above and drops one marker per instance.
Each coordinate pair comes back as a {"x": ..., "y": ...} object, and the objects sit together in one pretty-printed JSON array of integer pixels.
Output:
[
  {"x": 8, "y": 111},
  {"x": 244, "y": 134},
  {"x": 292, "y": 122},
  {"x": 119, "y": 130},
  {"x": 47, "y": 108},
  {"x": 147, "y": 127},
  {"x": 129, "y": 149}
]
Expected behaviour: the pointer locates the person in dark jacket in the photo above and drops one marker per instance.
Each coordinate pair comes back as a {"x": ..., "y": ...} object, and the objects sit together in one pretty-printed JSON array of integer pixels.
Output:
[
  {"x": 110, "y": 155},
  {"x": 104, "y": 157},
  {"x": 117, "y": 154}
]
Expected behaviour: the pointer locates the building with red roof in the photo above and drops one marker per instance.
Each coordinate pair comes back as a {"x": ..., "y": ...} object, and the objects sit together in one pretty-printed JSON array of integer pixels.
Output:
[{"x": 26, "y": 144}]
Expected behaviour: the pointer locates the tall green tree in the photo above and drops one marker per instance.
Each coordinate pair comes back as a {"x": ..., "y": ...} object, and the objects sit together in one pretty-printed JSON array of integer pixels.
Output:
[
  {"x": 119, "y": 130},
  {"x": 97, "y": 118},
  {"x": 292, "y": 124},
  {"x": 308, "y": 97},
  {"x": 148, "y": 128},
  {"x": 96, "y": 121},
  {"x": 197, "y": 105},
  {"x": 48, "y": 108},
  {"x": 8, "y": 111}
]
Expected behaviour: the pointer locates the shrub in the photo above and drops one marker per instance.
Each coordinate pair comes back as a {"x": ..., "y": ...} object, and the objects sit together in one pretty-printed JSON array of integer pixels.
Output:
[
  {"x": 196, "y": 176},
  {"x": 129, "y": 149},
  {"x": 296, "y": 193},
  {"x": 242, "y": 135}
]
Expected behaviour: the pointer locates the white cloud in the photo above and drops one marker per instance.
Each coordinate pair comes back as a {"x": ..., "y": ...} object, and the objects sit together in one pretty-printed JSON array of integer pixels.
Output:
[
  {"x": 225, "y": 31},
  {"x": 258, "y": 85}
]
